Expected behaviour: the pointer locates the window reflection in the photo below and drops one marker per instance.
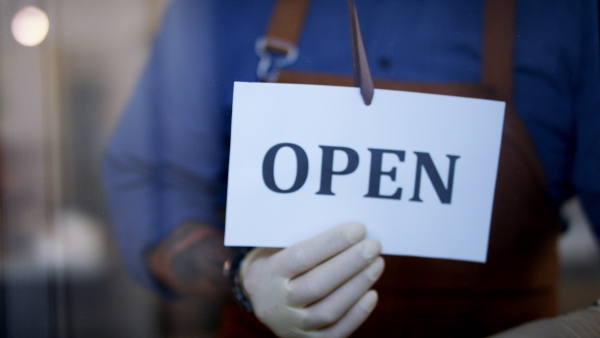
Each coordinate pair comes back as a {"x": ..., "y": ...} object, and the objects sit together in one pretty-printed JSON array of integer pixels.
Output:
[{"x": 59, "y": 100}]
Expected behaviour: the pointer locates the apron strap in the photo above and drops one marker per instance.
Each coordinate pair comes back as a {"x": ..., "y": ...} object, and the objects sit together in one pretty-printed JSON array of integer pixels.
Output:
[
  {"x": 277, "y": 48},
  {"x": 285, "y": 24},
  {"x": 498, "y": 46}
]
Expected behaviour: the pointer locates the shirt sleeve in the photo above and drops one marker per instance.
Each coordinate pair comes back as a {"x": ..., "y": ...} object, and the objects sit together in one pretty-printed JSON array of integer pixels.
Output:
[
  {"x": 586, "y": 168},
  {"x": 165, "y": 160}
]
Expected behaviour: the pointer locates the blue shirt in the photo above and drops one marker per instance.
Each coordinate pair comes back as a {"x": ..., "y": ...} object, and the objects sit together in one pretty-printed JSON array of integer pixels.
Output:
[{"x": 167, "y": 159}]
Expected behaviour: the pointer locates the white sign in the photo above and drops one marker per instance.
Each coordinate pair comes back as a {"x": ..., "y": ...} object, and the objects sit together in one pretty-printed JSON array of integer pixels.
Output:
[{"x": 419, "y": 170}]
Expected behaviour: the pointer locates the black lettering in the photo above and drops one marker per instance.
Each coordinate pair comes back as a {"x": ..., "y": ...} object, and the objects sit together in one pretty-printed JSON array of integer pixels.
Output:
[
  {"x": 376, "y": 173},
  {"x": 327, "y": 171},
  {"x": 444, "y": 193},
  {"x": 301, "y": 168}
]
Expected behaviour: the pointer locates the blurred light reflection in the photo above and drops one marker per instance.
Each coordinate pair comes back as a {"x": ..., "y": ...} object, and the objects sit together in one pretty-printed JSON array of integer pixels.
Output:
[{"x": 30, "y": 26}]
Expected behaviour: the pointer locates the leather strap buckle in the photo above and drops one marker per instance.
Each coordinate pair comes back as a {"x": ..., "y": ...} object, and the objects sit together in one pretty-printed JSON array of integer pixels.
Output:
[{"x": 274, "y": 55}]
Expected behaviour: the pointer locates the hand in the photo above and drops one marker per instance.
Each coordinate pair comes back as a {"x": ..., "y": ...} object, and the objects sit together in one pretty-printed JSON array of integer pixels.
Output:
[{"x": 318, "y": 287}]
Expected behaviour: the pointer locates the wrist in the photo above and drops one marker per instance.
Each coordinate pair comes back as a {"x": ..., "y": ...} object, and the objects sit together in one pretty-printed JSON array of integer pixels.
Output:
[{"x": 232, "y": 271}]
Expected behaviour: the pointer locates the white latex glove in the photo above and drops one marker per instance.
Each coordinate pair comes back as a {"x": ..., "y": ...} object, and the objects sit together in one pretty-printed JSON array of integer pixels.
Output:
[{"x": 318, "y": 287}]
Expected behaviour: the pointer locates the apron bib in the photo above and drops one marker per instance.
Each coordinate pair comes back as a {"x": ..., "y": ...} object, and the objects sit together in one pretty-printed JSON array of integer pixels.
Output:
[{"x": 424, "y": 297}]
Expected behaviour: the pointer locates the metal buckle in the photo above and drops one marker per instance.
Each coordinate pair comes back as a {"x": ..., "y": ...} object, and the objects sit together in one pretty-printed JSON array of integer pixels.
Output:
[{"x": 271, "y": 62}]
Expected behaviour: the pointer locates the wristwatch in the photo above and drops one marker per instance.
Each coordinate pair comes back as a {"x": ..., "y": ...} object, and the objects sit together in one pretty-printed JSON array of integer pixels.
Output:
[{"x": 231, "y": 272}]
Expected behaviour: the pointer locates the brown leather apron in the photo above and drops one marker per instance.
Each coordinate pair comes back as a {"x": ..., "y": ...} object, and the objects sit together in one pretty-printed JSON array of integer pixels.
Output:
[{"x": 421, "y": 297}]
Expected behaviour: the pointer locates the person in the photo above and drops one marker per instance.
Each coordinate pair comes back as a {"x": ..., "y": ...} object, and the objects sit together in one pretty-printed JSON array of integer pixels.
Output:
[{"x": 165, "y": 167}]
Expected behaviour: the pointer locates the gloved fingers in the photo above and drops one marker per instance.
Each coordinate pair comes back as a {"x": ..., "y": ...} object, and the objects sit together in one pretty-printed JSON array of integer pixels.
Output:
[
  {"x": 359, "y": 312},
  {"x": 303, "y": 256},
  {"x": 330, "y": 309},
  {"x": 257, "y": 254},
  {"x": 254, "y": 268},
  {"x": 328, "y": 276}
]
